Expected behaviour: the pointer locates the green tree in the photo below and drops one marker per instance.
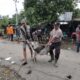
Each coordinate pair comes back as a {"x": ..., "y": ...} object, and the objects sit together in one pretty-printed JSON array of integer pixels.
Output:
[
  {"x": 76, "y": 13},
  {"x": 46, "y": 10},
  {"x": 13, "y": 19},
  {"x": 20, "y": 16},
  {"x": 4, "y": 21}
]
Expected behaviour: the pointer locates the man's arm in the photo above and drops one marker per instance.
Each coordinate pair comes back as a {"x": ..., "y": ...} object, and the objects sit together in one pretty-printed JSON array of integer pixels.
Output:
[
  {"x": 54, "y": 38},
  {"x": 51, "y": 39}
]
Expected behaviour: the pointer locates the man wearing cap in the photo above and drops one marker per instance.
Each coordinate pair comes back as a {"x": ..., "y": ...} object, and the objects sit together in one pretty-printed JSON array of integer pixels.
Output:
[
  {"x": 55, "y": 42},
  {"x": 24, "y": 37}
]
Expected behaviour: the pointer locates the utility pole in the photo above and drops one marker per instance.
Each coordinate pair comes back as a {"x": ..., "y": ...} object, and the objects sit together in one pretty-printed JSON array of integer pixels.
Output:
[{"x": 16, "y": 11}]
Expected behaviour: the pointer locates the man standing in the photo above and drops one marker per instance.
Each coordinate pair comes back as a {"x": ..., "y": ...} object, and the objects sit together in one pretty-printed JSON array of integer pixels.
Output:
[
  {"x": 55, "y": 42},
  {"x": 10, "y": 31},
  {"x": 78, "y": 37},
  {"x": 24, "y": 35}
]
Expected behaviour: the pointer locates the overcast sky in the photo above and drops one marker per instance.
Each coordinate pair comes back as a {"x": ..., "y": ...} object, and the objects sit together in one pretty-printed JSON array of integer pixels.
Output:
[
  {"x": 78, "y": 5},
  {"x": 7, "y": 7}
]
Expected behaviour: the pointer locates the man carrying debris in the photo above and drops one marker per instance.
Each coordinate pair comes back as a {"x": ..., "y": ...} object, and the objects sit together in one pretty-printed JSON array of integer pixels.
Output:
[
  {"x": 55, "y": 42},
  {"x": 24, "y": 38}
]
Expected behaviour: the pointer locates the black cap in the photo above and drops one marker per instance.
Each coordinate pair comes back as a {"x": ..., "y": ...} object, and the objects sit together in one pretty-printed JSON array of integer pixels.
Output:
[{"x": 57, "y": 24}]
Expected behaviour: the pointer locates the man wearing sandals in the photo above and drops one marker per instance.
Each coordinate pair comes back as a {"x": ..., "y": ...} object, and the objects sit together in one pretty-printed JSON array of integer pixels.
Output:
[{"x": 24, "y": 38}]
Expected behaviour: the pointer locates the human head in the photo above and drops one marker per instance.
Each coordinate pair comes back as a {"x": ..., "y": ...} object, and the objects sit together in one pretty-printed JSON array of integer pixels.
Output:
[
  {"x": 9, "y": 25},
  {"x": 56, "y": 25},
  {"x": 23, "y": 22}
]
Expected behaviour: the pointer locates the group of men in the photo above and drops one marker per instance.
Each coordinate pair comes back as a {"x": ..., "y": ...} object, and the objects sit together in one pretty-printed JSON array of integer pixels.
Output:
[{"x": 54, "y": 40}]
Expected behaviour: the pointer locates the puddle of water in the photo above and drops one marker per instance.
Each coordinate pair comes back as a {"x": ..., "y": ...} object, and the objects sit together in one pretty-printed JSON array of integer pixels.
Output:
[
  {"x": 1, "y": 44},
  {"x": 8, "y": 58}
]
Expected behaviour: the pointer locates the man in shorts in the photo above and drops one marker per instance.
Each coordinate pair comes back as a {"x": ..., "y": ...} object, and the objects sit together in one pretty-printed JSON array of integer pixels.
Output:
[{"x": 24, "y": 38}]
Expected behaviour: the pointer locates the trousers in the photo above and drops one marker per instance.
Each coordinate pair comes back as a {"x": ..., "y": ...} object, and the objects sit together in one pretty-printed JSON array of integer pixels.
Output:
[{"x": 55, "y": 46}]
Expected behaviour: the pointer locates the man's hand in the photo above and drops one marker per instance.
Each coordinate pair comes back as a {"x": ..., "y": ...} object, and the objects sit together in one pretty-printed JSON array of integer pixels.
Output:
[
  {"x": 48, "y": 44},
  {"x": 55, "y": 38}
]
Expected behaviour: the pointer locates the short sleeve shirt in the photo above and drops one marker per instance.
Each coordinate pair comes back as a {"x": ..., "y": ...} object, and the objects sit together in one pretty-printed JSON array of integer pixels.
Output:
[{"x": 57, "y": 33}]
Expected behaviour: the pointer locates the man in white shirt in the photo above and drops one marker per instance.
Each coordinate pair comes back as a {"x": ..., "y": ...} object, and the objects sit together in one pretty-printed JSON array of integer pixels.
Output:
[{"x": 55, "y": 42}]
